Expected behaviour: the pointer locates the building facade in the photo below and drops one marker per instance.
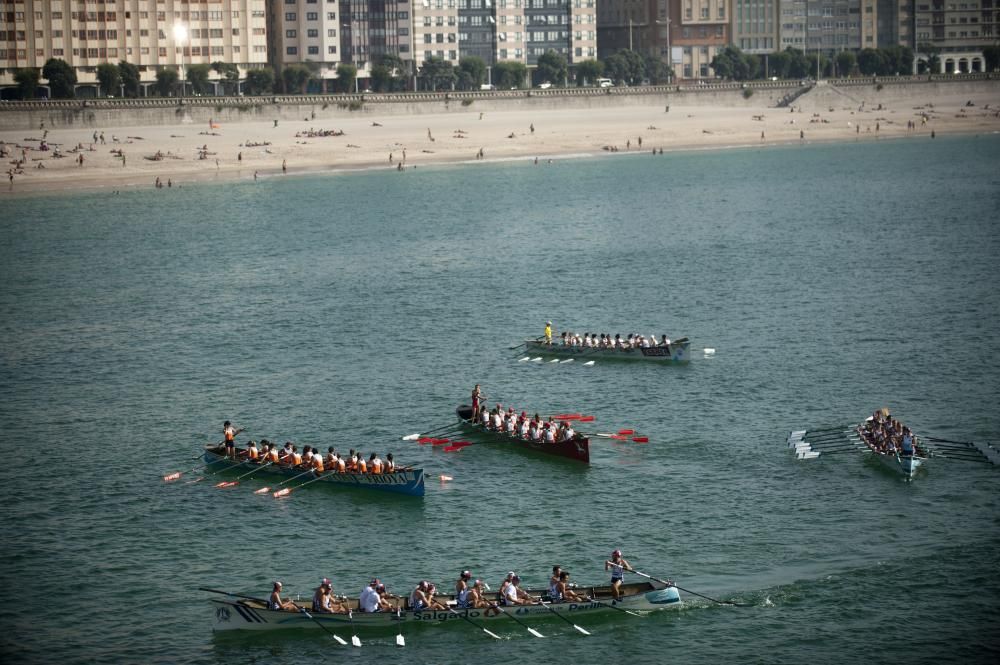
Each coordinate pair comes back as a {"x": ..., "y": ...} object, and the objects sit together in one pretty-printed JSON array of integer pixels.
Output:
[
  {"x": 152, "y": 34},
  {"x": 958, "y": 30},
  {"x": 700, "y": 29},
  {"x": 755, "y": 25}
]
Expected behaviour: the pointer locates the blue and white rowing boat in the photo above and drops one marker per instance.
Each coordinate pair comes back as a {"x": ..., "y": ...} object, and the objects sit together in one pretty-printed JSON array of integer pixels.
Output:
[{"x": 406, "y": 481}]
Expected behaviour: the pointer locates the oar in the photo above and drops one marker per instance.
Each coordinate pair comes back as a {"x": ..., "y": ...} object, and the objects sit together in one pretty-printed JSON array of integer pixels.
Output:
[
  {"x": 537, "y": 339},
  {"x": 234, "y": 595},
  {"x": 414, "y": 437},
  {"x": 355, "y": 640},
  {"x": 475, "y": 623},
  {"x": 961, "y": 443},
  {"x": 177, "y": 474},
  {"x": 289, "y": 490},
  {"x": 550, "y": 609},
  {"x": 614, "y": 607},
  {"x": 215, "y": 473},
  {"x": 339, "y": 639},
  {"x": 511, "y": 616},
  {"x": 400, "y": 642},
  {"x": 804, "y": 432},
  {"x": 693, "y": 593},
  {"x": 252, "y": 471}
]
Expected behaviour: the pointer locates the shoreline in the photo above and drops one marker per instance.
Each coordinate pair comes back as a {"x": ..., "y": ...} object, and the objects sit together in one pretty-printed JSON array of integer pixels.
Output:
[{"x": 184, "y": 155}]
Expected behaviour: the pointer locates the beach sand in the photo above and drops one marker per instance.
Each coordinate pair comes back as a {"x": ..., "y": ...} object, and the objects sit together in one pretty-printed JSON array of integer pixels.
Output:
[{"x": 371, "y": 141}]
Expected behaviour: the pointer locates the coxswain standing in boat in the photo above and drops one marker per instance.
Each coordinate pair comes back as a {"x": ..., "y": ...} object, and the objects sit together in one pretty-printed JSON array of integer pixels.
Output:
[
  {"x": 617, "y": 565},
  {"x": 229, "y": 435},
  {"x": 477, "y": 395},
  {"x": 276, "y": 603},
  {"x": 548, "y": 333}
]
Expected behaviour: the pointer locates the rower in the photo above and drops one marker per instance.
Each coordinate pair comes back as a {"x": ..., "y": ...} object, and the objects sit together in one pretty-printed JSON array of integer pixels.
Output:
[
  {"x": 368, "y": 601},
  {"x": 296, "y": 457},
  {"x": 514, "y": 595},
  {"x": 554, "y": 580},
  {"x": 550, "y": 432},
  {"x": 418, "y": 599},
  {"x": 383, "y": 598},
  {"x": 548, "y": 333},
  {"x": 322, "y": 601},
  {"x": 536, "y": 431},
  {"x": 286, "y": 452},
  {"x": 331, "y": 458},
  {"x": 475, "y": 597},
  {"x": 506, "y": 583},
  {"x": 563, "y": 591},
  {"x": 617, "y": 565},
  {"x": 432, "y": 602},
  {"x": 390, "y": 464},
  {"x": 229, "y": 434},
  {"x": 276, "y": 603},
  {"x": 462, "y": 588},
  {"x": 316, "y": 460},
  {"x": 271, "y": 454},
  {"x": 568, "y": 432},
  {"x": 565, "y": 342},
  {"x": 375, "y": 463},
  {"x": 484, "y": 418},
  {"x": 907, "y": 442},
  {"x": 251, "y": 452},
  {"x": 361, "y": 466}
]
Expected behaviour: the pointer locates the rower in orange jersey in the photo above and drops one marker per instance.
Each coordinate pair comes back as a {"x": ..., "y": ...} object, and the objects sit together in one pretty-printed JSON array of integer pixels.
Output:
[
  {"x": 317, "y": 462},
  {"x": 271, "y": 453},
  {"x": 375, "y": 464},
  {"x": 229, "y": 435},
  {"x": 390, "y": 464},
  {"x": 295, "y": 458},
  {"x": 360, "y": 465}
]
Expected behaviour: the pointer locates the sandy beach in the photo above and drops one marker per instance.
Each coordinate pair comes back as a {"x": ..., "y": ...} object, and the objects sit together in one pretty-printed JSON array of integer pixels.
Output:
[{"x": 138, "y": 156}]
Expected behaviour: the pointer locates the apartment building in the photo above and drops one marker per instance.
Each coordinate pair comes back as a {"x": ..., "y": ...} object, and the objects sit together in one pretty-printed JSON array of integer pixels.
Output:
[
  {"x": 829, "y": 26},
  {"x": 755, "y": 25},
  {"x": 700, "y": 29},
  {"x": 959, "y": 29},
  {"x": 151, "y": 34}
]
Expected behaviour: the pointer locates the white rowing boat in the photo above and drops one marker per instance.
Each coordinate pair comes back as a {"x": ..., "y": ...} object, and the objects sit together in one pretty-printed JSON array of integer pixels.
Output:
[
  {"x": 249, "y": 613},
  {"x": 676, "y": 352}
]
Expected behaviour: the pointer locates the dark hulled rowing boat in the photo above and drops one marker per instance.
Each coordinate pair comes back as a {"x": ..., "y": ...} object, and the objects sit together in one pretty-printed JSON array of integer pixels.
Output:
[{"x": 577, "y": 448}]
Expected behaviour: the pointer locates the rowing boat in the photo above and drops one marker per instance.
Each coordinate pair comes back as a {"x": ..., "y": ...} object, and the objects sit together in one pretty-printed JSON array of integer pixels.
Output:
[
  {"x": 577, "y": 448},
  {"x": 676, "y": 352},
  {"x": 252, "y": 614},
  {"x": 407, "y": 481},
  {"x": 894, "y": 460}
]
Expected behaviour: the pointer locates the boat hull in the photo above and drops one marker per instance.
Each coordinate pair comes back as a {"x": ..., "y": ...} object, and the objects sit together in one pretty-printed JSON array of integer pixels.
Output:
[
  {"x": 677, "y": 353},
  {"x": 409, "y": 482},
  {"x": 906, "y": 465},
  {"x": 252, "y": 615},
  {"x": 575, "y": 449}
]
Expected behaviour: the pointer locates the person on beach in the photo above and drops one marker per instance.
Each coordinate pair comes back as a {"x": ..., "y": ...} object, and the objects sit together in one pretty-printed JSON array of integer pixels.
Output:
[
  {"x": 284, "y": 166},
  {"x": 276, "y": 603},
  {"x": 617, "y": 565}
]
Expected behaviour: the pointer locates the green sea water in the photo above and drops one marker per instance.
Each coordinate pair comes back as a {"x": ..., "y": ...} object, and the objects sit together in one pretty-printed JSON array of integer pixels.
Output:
[{"x": 350, "y": 310}]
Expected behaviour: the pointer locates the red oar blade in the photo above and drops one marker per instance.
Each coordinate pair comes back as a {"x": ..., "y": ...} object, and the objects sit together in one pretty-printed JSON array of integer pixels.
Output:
[
  {"x": 617, "y": 437},
  {"x": 641, "y": 439},
  {"x": 262, "y": 490},
  {"x": 586, "y": 419},
  {"x": 452, "y": 449},
  {"x": 461, "y": 443},
  {"x": 439, "y": 442},
  {"x": 227, "y": 483},
  {"x": 284, "y": 492},
  {"x": 626, "y": 432},
  {"x": 171, "y": 477},
  {"x": 424, "y": 439}
]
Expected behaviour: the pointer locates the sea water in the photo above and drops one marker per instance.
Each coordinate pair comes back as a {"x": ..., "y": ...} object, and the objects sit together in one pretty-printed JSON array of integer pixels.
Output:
[{"x": 350, "y": 310}]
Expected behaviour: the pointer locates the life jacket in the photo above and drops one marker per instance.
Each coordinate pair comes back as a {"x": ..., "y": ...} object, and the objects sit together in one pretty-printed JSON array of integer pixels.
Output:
[
  {"x": 362, "y": 467},
  {"x": 296, "y": 459},
  {"x": 377, "y": 466}
]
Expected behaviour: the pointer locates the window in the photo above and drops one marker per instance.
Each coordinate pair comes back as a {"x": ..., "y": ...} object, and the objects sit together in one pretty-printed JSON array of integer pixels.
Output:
[
  {"x": 331, "y": 49},
  {"x": 292, "y": 50},
  {"x": 290, "y": 16},
  {"x": 312, "y": 32},
  {"x": 331, "y": 32},
  {"x": 313, "y": 50},
  {"x": 331, "y": 16},
  {"x": 312, "y": 16}
]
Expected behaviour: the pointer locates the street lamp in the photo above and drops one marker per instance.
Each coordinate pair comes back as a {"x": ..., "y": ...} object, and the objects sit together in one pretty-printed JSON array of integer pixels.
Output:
[
  {"x": 354, "y": 50},
  {"x": 180, "y": 36}
]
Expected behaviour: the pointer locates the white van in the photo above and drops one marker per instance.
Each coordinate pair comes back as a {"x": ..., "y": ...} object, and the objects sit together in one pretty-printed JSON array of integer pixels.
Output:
[{"x": 604, "y": 83}]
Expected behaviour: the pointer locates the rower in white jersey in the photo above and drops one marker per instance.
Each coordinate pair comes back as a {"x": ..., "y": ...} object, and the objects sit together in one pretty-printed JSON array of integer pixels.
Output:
[
  {"x": 550, "y": 433},
  {"x": 617, "y": 565},
  {"x": 462, "y": 588}
]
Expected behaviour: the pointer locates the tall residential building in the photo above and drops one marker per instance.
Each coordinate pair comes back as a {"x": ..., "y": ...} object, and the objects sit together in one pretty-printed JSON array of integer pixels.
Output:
[
  {"x": 644, "y": 26},
  {"x": 828, "y": 25},
  {"x": 959, "y": 29},
  {"x": 755, "y": 25},
  {"x": 700, "y": 28},
  {"x": 151, "y": 34}
]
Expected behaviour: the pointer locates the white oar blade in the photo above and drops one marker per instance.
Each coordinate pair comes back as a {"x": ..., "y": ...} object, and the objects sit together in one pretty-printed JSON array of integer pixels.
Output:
[
  {"x": 340, "y": 640},
  {"x": 411, "y": 437},
  {"x": 535, "y": 632},
  {"x": 568, "y": 360},
  {"x": 355, "y": 640},
  {"x": 589, "y": 364},
  {"x": 797, "y": 433},
  {"x": 491, "y": 633},
  {"x": 581, "y": 629},
  {"x": 524, "y": 359},
  {"x": 400, "y": 642},
  {"x": 810, "y": 455},
  {"x": 554, "y": 360},
  {"x": 536, "y": 360}
]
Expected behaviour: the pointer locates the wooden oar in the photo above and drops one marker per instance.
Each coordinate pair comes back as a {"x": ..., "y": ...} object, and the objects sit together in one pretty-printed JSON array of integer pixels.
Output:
[
  {"x": 289, "y": 490},
  {"x": 355, "y": 640},
  {"x": 234, "y": 595},
  {"x": 476, "y": 624},
  {"x": 669, "y": 583},
  {"x": 414, "y": 437},
  {"x": 614, "y": 607},
  {"x": 511, "y": 616},
  {"x": 339, "y": 639},
  {"x": 550, "y": 609},
  {"x": 400, "y": 642}
]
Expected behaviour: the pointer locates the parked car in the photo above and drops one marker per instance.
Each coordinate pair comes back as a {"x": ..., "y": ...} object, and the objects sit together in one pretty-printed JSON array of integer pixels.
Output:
[
  {"x": 544, "y": 85},
  {"x": 487, "y": 86},
  {"x": 604, "y": 83}
]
